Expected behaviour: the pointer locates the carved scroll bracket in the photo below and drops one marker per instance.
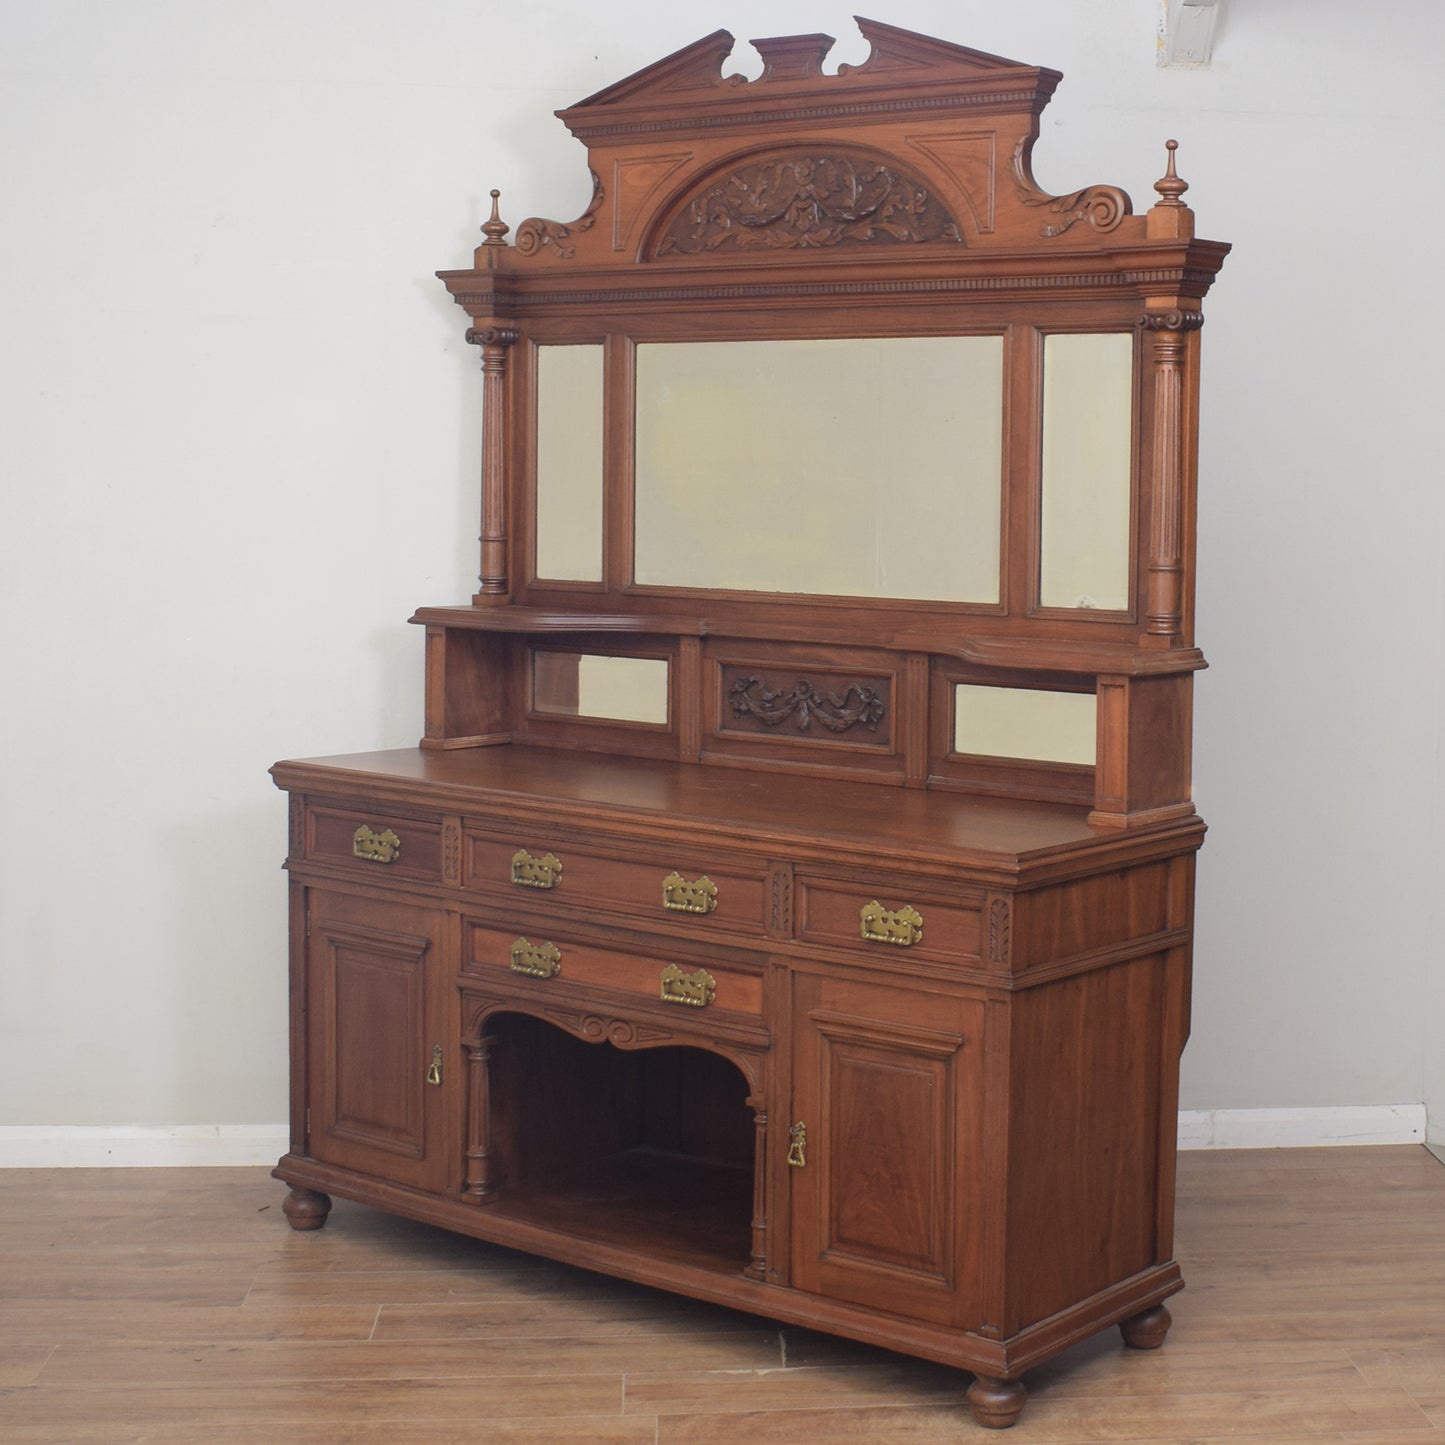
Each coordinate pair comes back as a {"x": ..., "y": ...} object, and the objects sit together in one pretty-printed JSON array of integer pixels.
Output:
[
  {"x": 493, "y": 338},
  {"x": 537, "y": 236},
  {"x": 1174, "y": 320},
  {"x": 495, "y": 342},
  {"x": 1103, "y": 207}
]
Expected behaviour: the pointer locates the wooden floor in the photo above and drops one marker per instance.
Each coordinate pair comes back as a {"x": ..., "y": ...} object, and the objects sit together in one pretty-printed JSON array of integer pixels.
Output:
[{"x": 177, "y": 1306}]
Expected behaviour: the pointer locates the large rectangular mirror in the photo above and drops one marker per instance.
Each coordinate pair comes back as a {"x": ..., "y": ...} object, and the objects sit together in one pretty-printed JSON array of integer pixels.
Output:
[{"x": 853, "y": 468}]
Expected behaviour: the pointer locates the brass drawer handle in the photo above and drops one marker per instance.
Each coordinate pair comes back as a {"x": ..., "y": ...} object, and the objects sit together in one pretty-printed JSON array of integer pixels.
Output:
[
  {"x": 901, "y": 927},
  {"x": 694, "y": 990},
  {"x": 536, "y": 960},
  {"x": 798, "y": 1145},
  {"x": 383, "y": 847},
  {"x": 684, "y": 897},
  {"x": 530, "y": 872}
]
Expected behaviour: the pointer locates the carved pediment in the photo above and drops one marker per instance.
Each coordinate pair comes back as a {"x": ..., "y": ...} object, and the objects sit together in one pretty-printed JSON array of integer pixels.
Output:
[
  {"x": 682, "y": 91},
  {"x": 896, "y": 50},
  {"x": 697, "y": 69},
  {"x": 924, "y": 144}
]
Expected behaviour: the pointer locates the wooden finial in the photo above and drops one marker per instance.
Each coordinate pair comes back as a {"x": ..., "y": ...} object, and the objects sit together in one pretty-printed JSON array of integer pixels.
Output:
[
  {"x": 496, "y": 228},
  {"x": 1169, "y": 186}
]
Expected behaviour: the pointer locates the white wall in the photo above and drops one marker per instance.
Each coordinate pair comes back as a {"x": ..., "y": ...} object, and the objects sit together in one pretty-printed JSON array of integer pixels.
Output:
[{"x": 239, "y": 431}]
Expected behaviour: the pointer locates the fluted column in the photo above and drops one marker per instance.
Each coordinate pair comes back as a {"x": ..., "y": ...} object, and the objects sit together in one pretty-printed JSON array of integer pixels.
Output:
[
  {"x": 1167, "y": 343},
  {"x": 495, "y": 342}
]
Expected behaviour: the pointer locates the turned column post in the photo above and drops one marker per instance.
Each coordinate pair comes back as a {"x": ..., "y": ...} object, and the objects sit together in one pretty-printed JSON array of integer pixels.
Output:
[
  {"x": 495, "y": 339},
  {"x": 496, "y": 342},
  {"x": 1167, "y": 337},
  {"x": 1167, "y": 325},
  {"x": 757, "y": 1266},
  {"x": 480, "y": 1186}
]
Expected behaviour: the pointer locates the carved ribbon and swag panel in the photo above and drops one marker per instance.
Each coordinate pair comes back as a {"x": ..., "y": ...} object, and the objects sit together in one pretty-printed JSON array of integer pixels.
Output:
[
  {"x": 817, "y": 706},
  {"x": 789, "y": 202}
]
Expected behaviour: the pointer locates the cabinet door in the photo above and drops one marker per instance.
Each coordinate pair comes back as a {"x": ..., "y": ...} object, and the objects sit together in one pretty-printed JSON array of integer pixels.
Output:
[
  {"x": 376, "y": 1014},
  {"x": 885, "y": 1204}
]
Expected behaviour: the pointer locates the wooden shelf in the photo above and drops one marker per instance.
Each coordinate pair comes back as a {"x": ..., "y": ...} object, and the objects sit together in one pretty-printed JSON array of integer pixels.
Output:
[
  {"x": 965, "y": 635},
  {"x": 689, "y": 1211}
]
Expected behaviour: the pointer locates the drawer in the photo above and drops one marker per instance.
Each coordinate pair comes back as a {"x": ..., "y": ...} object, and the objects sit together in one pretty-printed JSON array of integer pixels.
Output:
[
  {"x": 383, "y": 844},
  {"x": 692, "y": 891},
  {"x": 889, "y": 917},
  {"x": 546, "y": 961}
]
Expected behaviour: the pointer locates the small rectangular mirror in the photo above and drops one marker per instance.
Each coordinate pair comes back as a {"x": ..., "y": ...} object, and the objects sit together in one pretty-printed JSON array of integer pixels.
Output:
[
  {"x": 1025, "y": 723},
  {"x": 1088, "y": 427},
  {"x": 569, "y": 463},
  {"x": 588, "y": 684}
]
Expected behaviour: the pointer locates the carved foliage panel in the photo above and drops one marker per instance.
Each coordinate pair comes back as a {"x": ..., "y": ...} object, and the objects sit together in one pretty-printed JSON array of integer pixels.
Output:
[{"x": 808, "y": 199}]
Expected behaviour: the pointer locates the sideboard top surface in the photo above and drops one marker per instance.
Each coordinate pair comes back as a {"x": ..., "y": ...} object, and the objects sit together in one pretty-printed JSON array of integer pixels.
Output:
[{"x": 741, "y": 806}]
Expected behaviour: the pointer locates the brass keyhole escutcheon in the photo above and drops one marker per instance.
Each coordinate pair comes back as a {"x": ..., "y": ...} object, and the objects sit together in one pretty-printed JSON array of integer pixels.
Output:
[
  {"x": 798, "y": 1145},
  {"x": 434, "y": 1074}
]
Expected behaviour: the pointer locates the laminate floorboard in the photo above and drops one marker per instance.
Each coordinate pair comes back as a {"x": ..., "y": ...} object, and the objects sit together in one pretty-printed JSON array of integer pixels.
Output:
[{"x": 176, "y": 1307}]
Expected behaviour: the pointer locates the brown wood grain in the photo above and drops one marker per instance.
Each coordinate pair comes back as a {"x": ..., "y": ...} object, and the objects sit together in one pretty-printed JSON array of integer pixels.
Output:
[
  {"x": 957, "y": 1142},
  {"x": 1313, "y": 1317}
]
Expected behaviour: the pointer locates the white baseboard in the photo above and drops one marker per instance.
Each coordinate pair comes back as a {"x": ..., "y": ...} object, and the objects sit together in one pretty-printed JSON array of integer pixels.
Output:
[
  {"x": 1301, "y": 1128},
  {"x": 47, "y": 1146},
  {"x": 53, "y": 1146}
]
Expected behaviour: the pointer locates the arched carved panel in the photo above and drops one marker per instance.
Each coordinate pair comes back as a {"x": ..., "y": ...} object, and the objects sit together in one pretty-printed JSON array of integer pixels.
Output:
[
  {"x": 595, "y": 1026},
  {"x": 807, "y": 199}
]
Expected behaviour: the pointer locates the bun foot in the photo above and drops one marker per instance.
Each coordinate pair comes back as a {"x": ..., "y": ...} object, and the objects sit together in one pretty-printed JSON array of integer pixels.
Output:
[
  {"x": 996, "y": 1404},
  {"x": 306, "y": 1208},
  {"x": 1146, "y": 1331}
]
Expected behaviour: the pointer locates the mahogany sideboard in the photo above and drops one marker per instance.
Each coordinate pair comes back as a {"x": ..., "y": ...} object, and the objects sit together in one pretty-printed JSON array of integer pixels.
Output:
[{"x": 790, "y": 901}]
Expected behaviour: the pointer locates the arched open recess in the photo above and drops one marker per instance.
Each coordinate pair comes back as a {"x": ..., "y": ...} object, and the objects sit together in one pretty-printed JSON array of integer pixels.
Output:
[{"x": 600, "y": 1128}]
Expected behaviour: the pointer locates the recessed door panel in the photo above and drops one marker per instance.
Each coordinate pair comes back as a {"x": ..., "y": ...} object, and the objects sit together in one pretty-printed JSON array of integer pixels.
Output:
[
  {"x": 889, "y": 1192},
  {"x": 885, "y": 1202},
  {"x": 377, "y": 1080}
]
